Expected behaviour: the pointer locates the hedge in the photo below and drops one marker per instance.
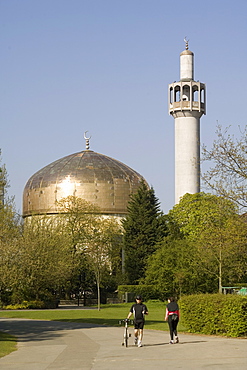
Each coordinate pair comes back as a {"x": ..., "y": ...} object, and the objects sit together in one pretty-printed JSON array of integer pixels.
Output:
[
  {"x": 214, "y": 314},
  {"x": 37, "y": 304},
  {"x": 146, "y": 291}
]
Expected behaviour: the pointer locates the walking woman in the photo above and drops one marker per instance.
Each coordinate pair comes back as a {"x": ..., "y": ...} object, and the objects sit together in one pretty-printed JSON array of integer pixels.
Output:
[{"x": 172, "y": 316}]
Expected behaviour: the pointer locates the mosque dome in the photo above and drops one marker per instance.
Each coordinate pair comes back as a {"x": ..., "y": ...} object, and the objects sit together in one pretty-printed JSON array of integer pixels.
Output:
[{"x": 101, "y": 180}]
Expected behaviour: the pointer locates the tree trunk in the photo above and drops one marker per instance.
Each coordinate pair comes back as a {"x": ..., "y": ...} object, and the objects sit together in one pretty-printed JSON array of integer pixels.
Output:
[
  {"x": 220, "y": 273},
  {"x": 98, "y": 290}
]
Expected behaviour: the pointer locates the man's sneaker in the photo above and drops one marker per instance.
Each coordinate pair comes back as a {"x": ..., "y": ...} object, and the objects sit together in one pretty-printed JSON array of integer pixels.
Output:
[
  {"x": 135, "y": 341},
  {"x": 176, "y": 340},
  {"x": 171, "y": 342},
  {"x": 139, "y": 344}
]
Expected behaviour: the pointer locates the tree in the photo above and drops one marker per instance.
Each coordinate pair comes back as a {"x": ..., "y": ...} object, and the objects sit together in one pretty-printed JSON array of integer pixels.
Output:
[
  {"x": 3, "y": 182},
  {"x": 144, "y": 226},
  {"x": 173, "y": 269},
  {"x": 10, "y": 232},
  {"x": 78, "y": 215},
  {"x": 228, "y": 175},
  {"x": 219, "y": 233},
  {"x": 94, "y": 239},
  {"x": 44, "y": 261},
  {"x": 223, "y": 250},
  {"x": 101, "y": 248}
]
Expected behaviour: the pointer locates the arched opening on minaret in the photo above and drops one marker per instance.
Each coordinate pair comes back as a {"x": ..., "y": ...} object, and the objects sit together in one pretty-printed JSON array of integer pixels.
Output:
[
  {"x": 177, "y": 93},
  {"x": 195, "y": 93},
  {"x": 202, "y": 95},
  {"x": 186, "y": 93},
  {"x": 171, "y": 95}
]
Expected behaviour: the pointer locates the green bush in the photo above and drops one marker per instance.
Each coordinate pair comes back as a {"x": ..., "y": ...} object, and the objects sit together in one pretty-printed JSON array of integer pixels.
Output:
[
  {"x": 50, "y": 303},
  {"x": 17, "y": 306},
  {"x": 36, "y": 304},
  {"x": 148, "y": 292},
  {"x": 26, "y": 305},
  {"x": 214, "y": 314}
]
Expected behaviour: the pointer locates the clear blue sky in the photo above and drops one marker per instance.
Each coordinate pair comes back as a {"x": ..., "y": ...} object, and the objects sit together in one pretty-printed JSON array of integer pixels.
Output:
[{"x": 67, "y": 66}]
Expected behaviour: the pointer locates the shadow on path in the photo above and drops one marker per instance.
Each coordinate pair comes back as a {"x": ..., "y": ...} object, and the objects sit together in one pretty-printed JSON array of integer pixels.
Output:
[{"x": 37, "y": 330}]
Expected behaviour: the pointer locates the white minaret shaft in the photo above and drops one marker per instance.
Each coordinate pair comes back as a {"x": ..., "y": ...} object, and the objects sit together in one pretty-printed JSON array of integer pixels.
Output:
[{"x": 187, "y": 105}]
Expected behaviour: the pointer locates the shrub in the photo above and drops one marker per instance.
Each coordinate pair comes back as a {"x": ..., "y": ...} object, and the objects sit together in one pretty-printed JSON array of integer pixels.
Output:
[
  {"x": 214, "y": 314},
  {"x": 147, "y": 292},
  {"x": 17, "y": 306},
  {"x": 26, "y": 305}
]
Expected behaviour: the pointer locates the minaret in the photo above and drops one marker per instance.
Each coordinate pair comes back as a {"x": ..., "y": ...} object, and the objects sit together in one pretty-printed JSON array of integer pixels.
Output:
[{"x": 187, "y": 104}]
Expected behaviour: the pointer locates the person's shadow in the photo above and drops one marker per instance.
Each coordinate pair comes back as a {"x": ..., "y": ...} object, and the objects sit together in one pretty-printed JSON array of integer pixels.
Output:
[{"x": 163, "y": 344}]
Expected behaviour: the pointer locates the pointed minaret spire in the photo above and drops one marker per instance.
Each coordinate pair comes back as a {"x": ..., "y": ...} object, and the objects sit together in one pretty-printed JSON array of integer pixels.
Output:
[{"x": 87, "y": 140}]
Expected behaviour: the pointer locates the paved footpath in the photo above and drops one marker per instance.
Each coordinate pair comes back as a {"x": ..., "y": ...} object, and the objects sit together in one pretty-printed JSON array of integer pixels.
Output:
[{"x": 72, "y": 346}]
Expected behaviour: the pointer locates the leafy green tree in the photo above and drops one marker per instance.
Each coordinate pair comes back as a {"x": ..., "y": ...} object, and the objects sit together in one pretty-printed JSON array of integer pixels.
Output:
[
  {"x": 144, "y": 226},
  {"x": 44, "y": 261},
  {"x": 94, "y": 239},
  {"x": 227, "y": 176},
  {"x": 101, "y": 249},
  {"x": 9, "y": 252},
  {"x": 10, "y": 233},
  {"x": 219, "y": 233},
  {"x": 77, "y": 215},
  {"x": 173, "y": 269},
  {"x": 3, "y": 181}
]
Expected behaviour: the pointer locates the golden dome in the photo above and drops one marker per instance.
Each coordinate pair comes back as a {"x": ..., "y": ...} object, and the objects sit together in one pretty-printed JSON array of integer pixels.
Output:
[{"x": 98, "y": 179}]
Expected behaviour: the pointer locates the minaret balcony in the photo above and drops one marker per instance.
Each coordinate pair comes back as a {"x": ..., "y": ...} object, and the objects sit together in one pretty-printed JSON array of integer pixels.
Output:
[
  {"x": 187, "y": 96},
  {"x": 187, "y": 105}
]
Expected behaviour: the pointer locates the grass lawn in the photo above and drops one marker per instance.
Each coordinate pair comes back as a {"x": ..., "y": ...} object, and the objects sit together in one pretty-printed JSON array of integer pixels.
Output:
[
  {"x": 7, "y": 344},
  {"x": 109, "y": 315}
]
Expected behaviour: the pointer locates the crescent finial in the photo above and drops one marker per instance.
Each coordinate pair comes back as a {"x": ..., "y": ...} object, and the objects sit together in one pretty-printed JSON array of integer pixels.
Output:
[
  {"x": 87, "y": 140},
  {"x": 186, "y": 43}
]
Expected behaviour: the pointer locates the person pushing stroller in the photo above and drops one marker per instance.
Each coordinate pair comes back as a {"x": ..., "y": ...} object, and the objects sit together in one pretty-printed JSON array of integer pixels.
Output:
[{"x": 139, "y": 310}]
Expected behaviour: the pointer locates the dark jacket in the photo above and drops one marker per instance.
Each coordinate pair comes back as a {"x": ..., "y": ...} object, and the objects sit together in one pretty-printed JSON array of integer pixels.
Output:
[{"x": 172, "y": 308}]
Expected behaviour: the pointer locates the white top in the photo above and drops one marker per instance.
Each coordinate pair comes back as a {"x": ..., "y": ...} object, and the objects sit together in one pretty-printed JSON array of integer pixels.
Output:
[{"x": 186, "y": 65}]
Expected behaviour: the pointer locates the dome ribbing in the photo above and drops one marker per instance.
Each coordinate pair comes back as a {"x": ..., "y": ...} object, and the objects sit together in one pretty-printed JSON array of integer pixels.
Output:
[{"x": 98, "y": 179}]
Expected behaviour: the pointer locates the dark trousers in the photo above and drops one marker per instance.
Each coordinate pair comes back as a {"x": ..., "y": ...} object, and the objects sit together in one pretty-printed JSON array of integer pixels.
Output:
[{"x": 172, "y": 326}]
